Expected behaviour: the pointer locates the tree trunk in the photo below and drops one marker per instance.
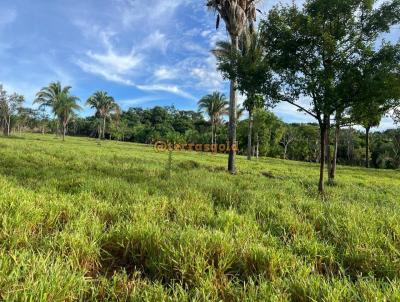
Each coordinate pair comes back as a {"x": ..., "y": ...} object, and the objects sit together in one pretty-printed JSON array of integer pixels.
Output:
[
  {"x": 64, "y": 131},
  {"x": 8, "y": 125},
  {"x": 328, "y": 148},
  {"x": 4, "y": 122},
  {"x": 215, "y": 133},
  {"x": 249, "y": 135},
  {"x": 285, "y": 151},
  {"x": 258, "y": 147},
  {"x": 367, "y": 129},
  {"x": 335, "y": 151},
  {"x": 104, "y": 128},
  {"x": 212, "y": 130},
  {"x": 323, "y": 135},
  {"x": 232, "y": 117}
]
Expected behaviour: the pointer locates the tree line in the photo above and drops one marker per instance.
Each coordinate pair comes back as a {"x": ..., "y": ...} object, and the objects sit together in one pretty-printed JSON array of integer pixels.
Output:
[{"x": 271, "y": 136}]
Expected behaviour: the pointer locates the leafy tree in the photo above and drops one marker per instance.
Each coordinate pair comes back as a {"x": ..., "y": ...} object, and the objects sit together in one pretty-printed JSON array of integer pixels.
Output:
[
  {"x": 310, "y": 50},
  {"x": 105, "y": 106},
  {"x": 396, "y": 115},
  {"x": 377, "y": 89},
  {"x": 238, "y": 17},
  {"x": 215, "y": 106},
  {"x": 250, "y": 104},
  {"x": 9, "y": 106},
  {"x": 62, "y": 103},
  {"x": 288, "y": 137},
  {"x": 268, "y": 131}
]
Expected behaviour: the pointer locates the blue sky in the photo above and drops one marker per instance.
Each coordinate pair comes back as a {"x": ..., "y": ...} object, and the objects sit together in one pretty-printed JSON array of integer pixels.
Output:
[{"x": 157, "y": 53}]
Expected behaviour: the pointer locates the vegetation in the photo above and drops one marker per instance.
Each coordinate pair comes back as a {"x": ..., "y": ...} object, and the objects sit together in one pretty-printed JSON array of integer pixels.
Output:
[
  {"x": 238, "y": 17},
  {"x": 61, "y": 102},
  {"x": 317, "y": 51},
  {"x": 87, "y": 221},
  {"x": 108, "y": 220},
  {"x": 9, "y": 107},
  {"x": 215, "y": 106},
  {"x": 105, "y": 106}
]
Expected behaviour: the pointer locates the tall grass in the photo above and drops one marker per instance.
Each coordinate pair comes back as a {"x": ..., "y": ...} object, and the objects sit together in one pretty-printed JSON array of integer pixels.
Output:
[{"x": 86, "y": 221}]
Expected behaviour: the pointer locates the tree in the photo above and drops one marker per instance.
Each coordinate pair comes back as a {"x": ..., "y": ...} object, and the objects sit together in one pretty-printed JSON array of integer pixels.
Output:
[
  {"x": 378, "y": 89},
  {"x": 248, "y": 67},
  {"x": 61, "y": 102},
  {"x": 9, "y": 106},
  {"x": 64, "y": 108},
  {"x": 310, "y": 50},
  {"x": 238, "y": 17},
  {"x": 105, "y": 106},
  {"x": 268, "y": 131},
  {"x": 287, "y": 138},
  {"x": 214, "y": 105},
  {"x": 250, "y": 104}
]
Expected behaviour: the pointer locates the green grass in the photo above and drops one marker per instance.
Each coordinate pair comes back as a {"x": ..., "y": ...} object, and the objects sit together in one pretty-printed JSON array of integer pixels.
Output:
[{"x": 84, "y": 220}]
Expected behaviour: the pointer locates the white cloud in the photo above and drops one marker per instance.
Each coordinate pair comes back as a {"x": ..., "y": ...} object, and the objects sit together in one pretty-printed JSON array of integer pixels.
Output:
[
  {"x": 166, "y": 73},
  {"x": 97, "y": 69},
  {"x": 155, "y": 40},
  {"x": 110, "y": 65},
  {"x": 153, "y": 12},
  {"x": 206, "y": 76},
  {"x": 166, "y": 88},
  {"x": 138, "y": 101},
  {"x": 115, "y": 63}
]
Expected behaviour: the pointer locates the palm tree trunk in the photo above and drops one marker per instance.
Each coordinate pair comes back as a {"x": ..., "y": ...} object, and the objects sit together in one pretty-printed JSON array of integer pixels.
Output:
[
  {"x": 99, "y": 130},
  {"x": 104, "y": 128},
  {"x": 249, "y": 143},
  {"x": 215, "y": 133},
  {"x": 232, "y": 117},
  {"x": 212, "y": 130},
  {"x": 367, "y": 129},
  {"x": 64, "y": 130}
]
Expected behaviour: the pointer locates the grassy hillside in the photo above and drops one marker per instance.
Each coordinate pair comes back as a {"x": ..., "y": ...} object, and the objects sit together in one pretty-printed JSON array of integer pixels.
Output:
[{"x": 84, "y": 220}]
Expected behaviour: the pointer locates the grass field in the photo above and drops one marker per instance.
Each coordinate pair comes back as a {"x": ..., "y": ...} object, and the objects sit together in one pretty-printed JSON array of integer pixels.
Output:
[{"x": 84, "y": 220}]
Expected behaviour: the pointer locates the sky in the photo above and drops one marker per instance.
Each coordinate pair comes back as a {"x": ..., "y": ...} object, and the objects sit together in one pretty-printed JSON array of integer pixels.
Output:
[{"x": 143, "y": 53}]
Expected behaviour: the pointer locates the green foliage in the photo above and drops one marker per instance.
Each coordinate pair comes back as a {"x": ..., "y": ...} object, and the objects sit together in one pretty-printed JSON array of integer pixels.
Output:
[
  {"x": 105, "y": 107},
  {"x": 61, "y": 102},
  {"x": 247, "y": 65},
  {"x": 83, "y": 221}
]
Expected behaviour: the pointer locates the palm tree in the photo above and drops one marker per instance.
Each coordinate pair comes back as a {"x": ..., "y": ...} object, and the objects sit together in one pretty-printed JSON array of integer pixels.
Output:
[
  {"x": 105, "y": 106},
  {"x": 238, "y": 16},
  {"x": 64, "y": 108},
  {"x": 62, "y": 103},
  {"x": 248, "y": 66},
  {"x": 214, "y": 105}
]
